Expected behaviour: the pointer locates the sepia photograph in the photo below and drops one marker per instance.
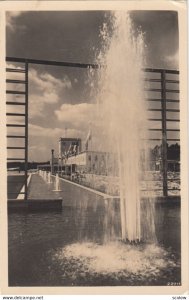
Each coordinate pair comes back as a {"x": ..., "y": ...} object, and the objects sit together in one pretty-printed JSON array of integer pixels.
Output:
[{"x": 93, "y": 148}]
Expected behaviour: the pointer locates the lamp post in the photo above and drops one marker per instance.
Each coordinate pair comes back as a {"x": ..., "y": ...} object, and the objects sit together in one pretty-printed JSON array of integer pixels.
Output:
[{"x": 52, "y": 161}]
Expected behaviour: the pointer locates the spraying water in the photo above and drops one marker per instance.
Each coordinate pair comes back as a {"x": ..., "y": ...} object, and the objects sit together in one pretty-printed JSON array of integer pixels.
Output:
[
  {"x": 121, "y": 131},
  {"x": 123, "y": 114}
]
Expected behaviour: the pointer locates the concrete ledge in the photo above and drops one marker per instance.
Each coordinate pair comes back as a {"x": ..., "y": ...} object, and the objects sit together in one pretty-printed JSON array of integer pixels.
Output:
[
  {"x": 169, "y": 200},
  {"x": 35, "y": 205},
  {"x": 86, "y": 188},
  {"x": 21, "y": 196}
]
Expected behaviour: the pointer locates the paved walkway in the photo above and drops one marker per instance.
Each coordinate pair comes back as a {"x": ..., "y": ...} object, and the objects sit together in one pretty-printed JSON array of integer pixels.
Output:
[
  {"x": 40, "y": 189},
  {"x": 70, "y": 193}
]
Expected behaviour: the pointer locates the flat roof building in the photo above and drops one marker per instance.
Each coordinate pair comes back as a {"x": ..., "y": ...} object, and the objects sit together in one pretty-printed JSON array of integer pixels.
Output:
[{"x": 69, "y": 146}]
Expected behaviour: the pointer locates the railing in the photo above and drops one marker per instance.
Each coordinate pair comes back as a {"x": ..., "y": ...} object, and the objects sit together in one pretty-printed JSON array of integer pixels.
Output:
[
  {"x": 166, "y": 87},
  {"x": 161, "y": 84},
  {"x": 23, "y": 102}
]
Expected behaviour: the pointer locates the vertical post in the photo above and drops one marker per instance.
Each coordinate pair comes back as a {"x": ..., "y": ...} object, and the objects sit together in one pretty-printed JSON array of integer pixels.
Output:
[
  {"x": 26, "y": 129},
  {"x": 71, "y": 171},
  {"x": 52, "y": 161},
  {"x": 59, "y": 156},
  {"x": 164, "y": 131}
]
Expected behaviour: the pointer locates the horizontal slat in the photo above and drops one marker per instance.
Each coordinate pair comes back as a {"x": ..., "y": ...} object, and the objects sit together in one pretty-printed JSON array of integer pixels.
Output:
[
  {"x": 12, "y": 158},
  {"x": 151, "y": 139},
  {"x": 15, "y": 70},
  {"x": 15, "y": 114},
  {"x": 171, "y": 81},
  {"x": 151, "y": 99},
  {"x": 159, "y": 90},
  {"x": 154, "y": 109},
  {"x": 172, "y": 100},
  {"x": 174, "y": 179},
  {"x": 156, "y": 139},
  {"x": 167, "y": 100},
  {"x": 12, "y": 193},
  {"x": 151, "y": 119},
  {"x": 172, "y": 91},
  {"x": 52, "y": 63},
  {"x": 172, "y": 120},
  {"x": 168, "y": 120},
  {"x": 173, "y": 110},
  {"x": 176, "y": 140},
  {"x": 152, "y": 179},
  {"x": 168, "y": 109},
  {"x": 16, "y": 148},
  {"x": 15, "y": 103},
  {"x": 176, "y": 189},
  {"x": 155, "y": 129},
  {"x": 153, "y": 90},
  {"x": 13, "y": 181},
  {"x": 15, "y": 81},
  {"x": 151, "y": 190},
  {"x": 171, "y": 71},
  {"x": 151, "y": 70},
  {"x": 152, "y": 80},
  {"x": 16, "y": 125},
  {"x": 15, "y": 92},
  {"x": 80, "y": 65},
  {"x": 16, "y": 136}
]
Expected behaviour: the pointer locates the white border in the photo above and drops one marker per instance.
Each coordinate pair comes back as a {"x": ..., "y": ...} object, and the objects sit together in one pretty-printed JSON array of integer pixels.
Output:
[{"x": 179, "y": 6}]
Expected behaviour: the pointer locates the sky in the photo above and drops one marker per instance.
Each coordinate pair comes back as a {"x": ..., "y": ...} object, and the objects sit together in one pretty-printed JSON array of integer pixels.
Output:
[{"x": 60, "y": 100}]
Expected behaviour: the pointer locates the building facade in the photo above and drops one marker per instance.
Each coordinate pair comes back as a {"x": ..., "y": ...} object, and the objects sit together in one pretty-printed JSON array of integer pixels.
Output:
[
  {"x": 68, "y": 147},
  {"x": 94, "y": 162}
]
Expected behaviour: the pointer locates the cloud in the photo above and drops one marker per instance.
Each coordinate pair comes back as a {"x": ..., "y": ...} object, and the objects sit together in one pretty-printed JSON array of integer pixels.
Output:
[
  {"x": 43, "y": 139},
  {"x": 49, "y": 132},
  {"x": 47, "y": 85},
  {"x": 36, "y": 130},
  {"x": 173, "y": 60},
  {"x": 45, "y": 89},
  {"x": 13, "y": 66},
  {"x": 76, "y": 116},
  {"x": 14, "y": 86},
  {"x": 11, "y": 20},
  {"x": 85, "y": 117}
]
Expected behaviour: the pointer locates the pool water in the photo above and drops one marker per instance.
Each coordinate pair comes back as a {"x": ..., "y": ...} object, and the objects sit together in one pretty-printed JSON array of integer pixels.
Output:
[{"x": 72, "y": 248}]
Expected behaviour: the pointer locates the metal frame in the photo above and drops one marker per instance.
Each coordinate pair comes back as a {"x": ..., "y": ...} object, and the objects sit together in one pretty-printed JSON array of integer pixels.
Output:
[
  {"x": 25, "y": 116},
  {"x": 163, "y": 99}
]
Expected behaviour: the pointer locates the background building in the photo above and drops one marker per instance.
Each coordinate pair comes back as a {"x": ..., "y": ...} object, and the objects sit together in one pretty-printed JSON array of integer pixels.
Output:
[
  {"x": 68, "y": 147},
  {"x": 94, "y": 162}
]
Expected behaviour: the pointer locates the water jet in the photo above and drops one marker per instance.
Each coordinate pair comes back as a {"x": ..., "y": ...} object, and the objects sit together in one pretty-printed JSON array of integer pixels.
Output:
[{"x": 122, "y": 113}]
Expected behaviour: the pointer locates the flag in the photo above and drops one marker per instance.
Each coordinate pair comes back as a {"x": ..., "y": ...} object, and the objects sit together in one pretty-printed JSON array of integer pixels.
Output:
[
  {"x": 89, "y": 136},
  {"x": 75, "y": 149},
  {"x": 69, "y": 150}
]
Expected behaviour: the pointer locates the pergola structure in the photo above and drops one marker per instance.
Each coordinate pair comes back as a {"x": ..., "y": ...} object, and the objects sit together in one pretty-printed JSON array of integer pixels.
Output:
[{"x": 166, "y": 87}]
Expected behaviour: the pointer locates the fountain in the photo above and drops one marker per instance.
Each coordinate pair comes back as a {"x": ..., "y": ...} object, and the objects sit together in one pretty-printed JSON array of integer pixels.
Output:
[
  {"x": 81, "y": 245},
  {"x": 57, "y": 184},
  {"x": 49, "y": 177},
  {"x": 122, "y": 114},
  {"x": 121, "y": 128}
]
